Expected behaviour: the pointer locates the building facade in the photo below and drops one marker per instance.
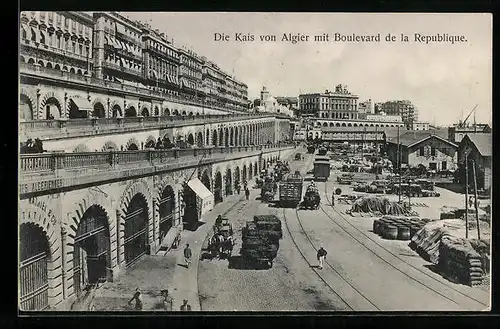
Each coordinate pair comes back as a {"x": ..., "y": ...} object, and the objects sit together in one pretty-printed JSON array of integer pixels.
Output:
[
  {"x": 58, "y": 41},
  {"x": 161, "y": 62},
  {"x": 382, "y": 117},
  {"x": 432, "y": 152},
  {"x": 340, "y": 104},
  {"x": 420, "y": 126},
  {"x": 190, "y": 73},
  {"x": 403, "y": 108},
  {"x": 479, "y": 149}
]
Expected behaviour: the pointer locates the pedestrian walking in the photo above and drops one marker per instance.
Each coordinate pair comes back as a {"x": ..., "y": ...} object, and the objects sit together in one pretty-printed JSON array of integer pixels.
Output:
[
  {"x": 470, "y": 202},
  {"x": 333, "y": 199},
  {"x": 168, "y": 301},
  {"x": 187, "y": 255},
  {"x": 185, "y": 306},
  {"x": 138, "y": 300},
  {"x": 238, "y": 189},
  {"x": 321, "y": 257},
  {"x": 247, "y": 193}
]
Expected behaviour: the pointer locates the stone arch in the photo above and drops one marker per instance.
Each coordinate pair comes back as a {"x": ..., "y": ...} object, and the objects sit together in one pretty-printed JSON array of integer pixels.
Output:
[
  {"x": 134, "y": 187},
  {"x": 244, "y": 173},
  {"x": 80, "y": 148},
  {"x": 27, "y": 110},
  {"x": 50, "y": 97},
  {"x": 349, "y": 125},
  {"x": 325, "y": 124},
  {"x": 183, "y": 113},
  {"x": 206, "y": 179},
  {"x": 218, "y": 187},
  {"x": 337, "y": 124},
  {"x": 215, "y": 140},
  {"x": 199, "y": 139},
  {"x": 231, "y": 136},
  {"x": 99, "y": 110},
  {"x": 166, "y": 112},
  {"x": 156, "y": 111},
  {"x": 150, "y": 142},
  {"x": 175, "y": 112},
  {"x": 190, "y": 139},
  {"x": 110, "y": 146},
  {"x": 190, "y": 114},
  {"x": 130, "y": 111},
  {"x": 116, "y": 110},
  {"x": 145, "y": 112},
  {"x": 131, "y": 143},
  {"x": 332, "y": 124},
  {"x": 46, "y": 221},
  {"x": 343, "y": 124}
]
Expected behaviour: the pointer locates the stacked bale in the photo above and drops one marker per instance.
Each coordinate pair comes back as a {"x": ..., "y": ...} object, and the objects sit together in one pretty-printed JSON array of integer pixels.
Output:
[
  {"x": 260, "y": 238},
  {"x": 426, "y": 242},
  {"x": 459, "y": 261},
  {"x": 378, "y": 205}
]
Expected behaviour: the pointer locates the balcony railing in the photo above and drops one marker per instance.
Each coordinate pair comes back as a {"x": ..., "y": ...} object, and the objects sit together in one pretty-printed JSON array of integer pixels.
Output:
[
  {"x": 46, "y": 171},
  {"x": 55, "y": 128},
  {"x": 72, "y": 77}
]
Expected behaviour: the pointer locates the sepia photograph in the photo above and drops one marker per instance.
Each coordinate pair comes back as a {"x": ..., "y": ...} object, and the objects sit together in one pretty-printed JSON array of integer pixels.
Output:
[{"x": 174, "y": 162}]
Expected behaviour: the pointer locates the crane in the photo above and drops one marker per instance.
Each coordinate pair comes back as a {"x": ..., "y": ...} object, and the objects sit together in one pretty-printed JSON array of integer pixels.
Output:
[{"x": 462, "y": 124}]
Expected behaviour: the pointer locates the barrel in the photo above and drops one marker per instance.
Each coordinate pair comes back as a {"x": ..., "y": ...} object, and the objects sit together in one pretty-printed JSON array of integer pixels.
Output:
[
  {"x": 381, "y": 229},
  {"x": 403, "y": 233},
  {"x": 391, "y": 232},
  {"x": 413, "y": 230},
  {"x": 376, "y": 226}
]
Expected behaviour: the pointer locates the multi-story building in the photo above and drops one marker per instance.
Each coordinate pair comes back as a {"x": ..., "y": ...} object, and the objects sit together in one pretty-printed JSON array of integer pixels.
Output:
[
  {"x": 365, "y": 108},
  {"x": 222, "y": 89},
  {"x": 404, "y": 108},
  {"x": 57, "y": 41},
  {"x": 479, "y": 150},
  {"x": 118, "y": 53},
  {"x": 161, "y": 61},
  {"x": 340, "y": 104},
  {"x": 190, "y": 72}
]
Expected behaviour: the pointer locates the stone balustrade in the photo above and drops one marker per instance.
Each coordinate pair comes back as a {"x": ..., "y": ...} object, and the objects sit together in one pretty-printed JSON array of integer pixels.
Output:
[{"x": 44, "y": 172}]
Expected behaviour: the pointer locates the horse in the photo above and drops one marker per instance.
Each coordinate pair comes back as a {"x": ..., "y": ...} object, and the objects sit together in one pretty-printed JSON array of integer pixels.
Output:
[
  {"x": 227, "y": 247},
  {"x": 213, "y": 246}
]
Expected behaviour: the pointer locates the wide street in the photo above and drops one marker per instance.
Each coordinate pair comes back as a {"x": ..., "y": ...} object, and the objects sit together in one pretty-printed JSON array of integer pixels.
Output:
[{"x": 362, "y": 271}]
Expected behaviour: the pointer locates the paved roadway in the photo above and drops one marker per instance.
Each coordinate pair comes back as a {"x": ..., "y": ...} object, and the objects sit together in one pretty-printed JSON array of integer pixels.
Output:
[{"x": 363, "y": 272}]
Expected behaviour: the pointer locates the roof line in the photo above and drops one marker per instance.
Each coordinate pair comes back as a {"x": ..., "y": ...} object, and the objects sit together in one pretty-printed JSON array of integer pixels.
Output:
[{"x": 431, "y": 135}]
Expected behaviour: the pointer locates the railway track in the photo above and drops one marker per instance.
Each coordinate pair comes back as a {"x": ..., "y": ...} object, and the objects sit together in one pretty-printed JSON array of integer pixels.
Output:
[
  {"x": 336, "y": 279},
  {"x": 428, "y": 285}
]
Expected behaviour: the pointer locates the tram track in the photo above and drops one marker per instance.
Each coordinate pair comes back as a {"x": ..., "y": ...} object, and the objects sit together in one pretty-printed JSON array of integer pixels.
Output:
[
  {"x": 366, "y": 237},
  {"x": 354, "y": 293}
]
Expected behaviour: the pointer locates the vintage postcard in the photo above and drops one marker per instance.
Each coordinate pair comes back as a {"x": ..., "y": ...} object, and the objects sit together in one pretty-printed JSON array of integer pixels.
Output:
[{"x": 189, "y": 161}]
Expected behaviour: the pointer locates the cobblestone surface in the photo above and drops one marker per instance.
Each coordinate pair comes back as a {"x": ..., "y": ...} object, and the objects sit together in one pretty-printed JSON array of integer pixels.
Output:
[{"x": 290, "y": 285}]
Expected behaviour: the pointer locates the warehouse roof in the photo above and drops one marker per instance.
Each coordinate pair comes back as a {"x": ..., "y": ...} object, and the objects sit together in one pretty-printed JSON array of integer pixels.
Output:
[
  {"x": 482, "y": 142},
  {"x": 415, "y": 137}
]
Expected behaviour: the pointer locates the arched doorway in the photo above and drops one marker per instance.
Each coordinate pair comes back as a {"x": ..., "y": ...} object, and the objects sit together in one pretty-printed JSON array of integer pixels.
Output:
[
  {"x": 34, "y": 254},
  {"x": 205, "y": 179},
  {"x": 229, "y": 183},
  {"x": 244, "y": 173},
  {"x": 255, "y": 169},
  {"x": 132, "y": 147},
  {"x": 190, "y": 139},
  {"x": 192, "y": 212},
  {"x": 214, "y": 138},
  {"x": 136, "y": 229},
  {"x": 150, "y": 144},
  {"x": 207, "y": 137},
  {"x": 226, "y": 137},
  {"x": 157, "y": 111},
  {"x": 221, "y": 137},
  {"x": 218, "y": 188},
  {"x": 98, "y": 111},
  {"x": 25, "y": 108},
  {"x": 91, "y": 250},
  {"x": 237, "y": 177},
  {"x": 145, "y": 112},
  {"x": 199, "y": 139},
  {"x": 130, "y": 112},
  {"x": 166, "y": 210},
  {"x": 52, "y": 109},
  {"x": 166, "y": 112},
  {"x": 117, "y": 111},
  {"x": 231, "y": 137},
  {"x": 250, "y": 171}
]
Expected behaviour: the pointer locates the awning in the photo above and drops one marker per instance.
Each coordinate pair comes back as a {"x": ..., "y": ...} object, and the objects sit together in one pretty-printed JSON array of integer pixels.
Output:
[
  {"x": 35, "y": 32},
  {"x": 106, "y": 40},
  {"x": 82, "y": 103},
  {"x": 116, "y": 43},
  {"x": 121, "y": 61},
  {"x": 207, "y": 198},
  {"x": 129, "y": 47}
]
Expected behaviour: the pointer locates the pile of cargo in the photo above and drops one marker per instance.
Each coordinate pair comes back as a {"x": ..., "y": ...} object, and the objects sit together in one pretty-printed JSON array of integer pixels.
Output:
[
  {"x": 260, "y": 239},
  {"x": 290, "y": 190},
  {"x": 398, "y": 227},
  {"x": 378, "y": 206},
  {"x": 459, "y": 261},
  {"x": 427, "y": 240}
]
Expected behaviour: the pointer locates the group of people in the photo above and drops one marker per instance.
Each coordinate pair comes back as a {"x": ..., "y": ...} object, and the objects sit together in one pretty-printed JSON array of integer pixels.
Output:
[
  {"x": 31, "y": 146},
  {"x": 167, "y": 301},
  {"x": 245, "y": 188}
]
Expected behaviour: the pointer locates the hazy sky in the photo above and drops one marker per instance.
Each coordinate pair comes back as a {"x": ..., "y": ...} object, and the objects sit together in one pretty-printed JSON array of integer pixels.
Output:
[{"x": 442, "y": 80}]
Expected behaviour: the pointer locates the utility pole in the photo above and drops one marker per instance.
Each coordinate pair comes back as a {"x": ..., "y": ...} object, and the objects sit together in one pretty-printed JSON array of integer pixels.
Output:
[
  {"x": 466, "y": 197},
  {"x": 399, "y": 168},
  {"x": 475, "y": 199}
]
